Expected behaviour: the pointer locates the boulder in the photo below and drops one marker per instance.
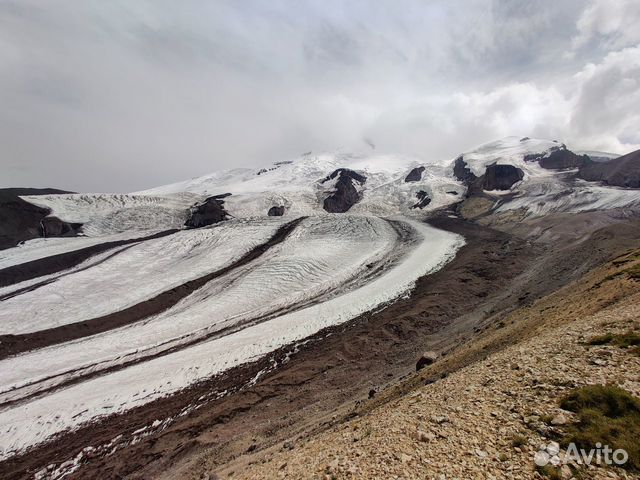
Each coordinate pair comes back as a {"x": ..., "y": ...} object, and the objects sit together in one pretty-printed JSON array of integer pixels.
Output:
[
  {"x": 559, "y": 419},
  {"x": 209, "y": 212},
  {"x": 415, "y": 175},
  {"x": 276, "y": 211},
  {"x": 427, "y": 358},
  {"x": 501, "y": 177}
]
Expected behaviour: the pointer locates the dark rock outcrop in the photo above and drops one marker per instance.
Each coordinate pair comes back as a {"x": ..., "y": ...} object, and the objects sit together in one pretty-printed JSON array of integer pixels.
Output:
[
  {"x": 558, "y": 158},
  {"x": 20, "y": 220},
  {"x": 54, "y": 227},
  {"x": 415, "y": 175},
  {"x": 426, "y": 359},
  {"x": 501, "y": 177},
  {"x": 562, "y": 159},
  {"x": 345, "y": 173},
  {"x": 462, "y": 172},
  {"x": 619, "y": 172},
  {"x": 209, "y": 212},
  {"x": 345, "y": 194},
  {"x": 276, "y": 211},
  {"x": 423, "y": 199},
  {"x": 535, "y": 157}
]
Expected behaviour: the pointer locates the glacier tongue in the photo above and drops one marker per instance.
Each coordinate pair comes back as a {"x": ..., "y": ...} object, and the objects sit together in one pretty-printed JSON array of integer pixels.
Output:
[{"x": 325, "y": 259}]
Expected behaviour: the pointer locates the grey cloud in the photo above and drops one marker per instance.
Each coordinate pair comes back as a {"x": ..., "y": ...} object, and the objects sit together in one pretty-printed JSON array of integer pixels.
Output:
[
  {"x": 120, "y": 96},
  {"x": 606, "y": 25},
  {"x": 607, "y": 107}
]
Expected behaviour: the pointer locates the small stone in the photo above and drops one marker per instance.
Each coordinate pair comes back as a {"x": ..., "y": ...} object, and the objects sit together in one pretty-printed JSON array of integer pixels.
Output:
[
  {"x": 333, "y": 466},
  {"x": 559, "y": 419},
  {"x": 425, "y": 436},
  {"x": 565, "y": 472},
  {"x": 481, "y": 453},
  {"x": 603, "y": 353},
  {"x": 439, "y": 419}
]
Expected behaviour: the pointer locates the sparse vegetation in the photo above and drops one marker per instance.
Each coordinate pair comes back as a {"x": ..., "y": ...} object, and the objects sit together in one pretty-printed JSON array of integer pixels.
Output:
[
  {"x": 368, "y": 430},
  {"x": 549, "y": 471},
  {"x": 518, "y": 440},
  {"x": 601, "y": 339},
  {"x": 624, "y": 340},
  {"x": 629, "y": 339},
  {"x": 633, "y": 272},
  {"x": 608, "y": 415},
  {"x": 629, "y": 257},
  {"x": 546, "y": 418}
]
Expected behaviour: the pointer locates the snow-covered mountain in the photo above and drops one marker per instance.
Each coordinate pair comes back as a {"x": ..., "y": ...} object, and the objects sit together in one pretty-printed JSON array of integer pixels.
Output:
[
  {"x": 301, "y": 186},
  {"x": 298, "y": 185},
  {"x": 141, "y": 304}
]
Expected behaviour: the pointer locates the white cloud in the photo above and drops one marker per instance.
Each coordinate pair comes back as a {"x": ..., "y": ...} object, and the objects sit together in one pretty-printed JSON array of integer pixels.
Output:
[
  {"x": 598, "y": 108},
  {"x": 606, "y": 110},
  {"x": 613, "y": 22},
  {"x": 440, "y": 127}
]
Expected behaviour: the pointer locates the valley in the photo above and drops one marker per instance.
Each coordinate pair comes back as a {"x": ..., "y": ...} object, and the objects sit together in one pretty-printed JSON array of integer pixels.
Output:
[{"x": 188, "y": 327}]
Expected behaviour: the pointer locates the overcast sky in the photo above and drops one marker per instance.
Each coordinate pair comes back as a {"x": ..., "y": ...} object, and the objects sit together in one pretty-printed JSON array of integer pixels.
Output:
[{"x": 123, "y": 95}]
